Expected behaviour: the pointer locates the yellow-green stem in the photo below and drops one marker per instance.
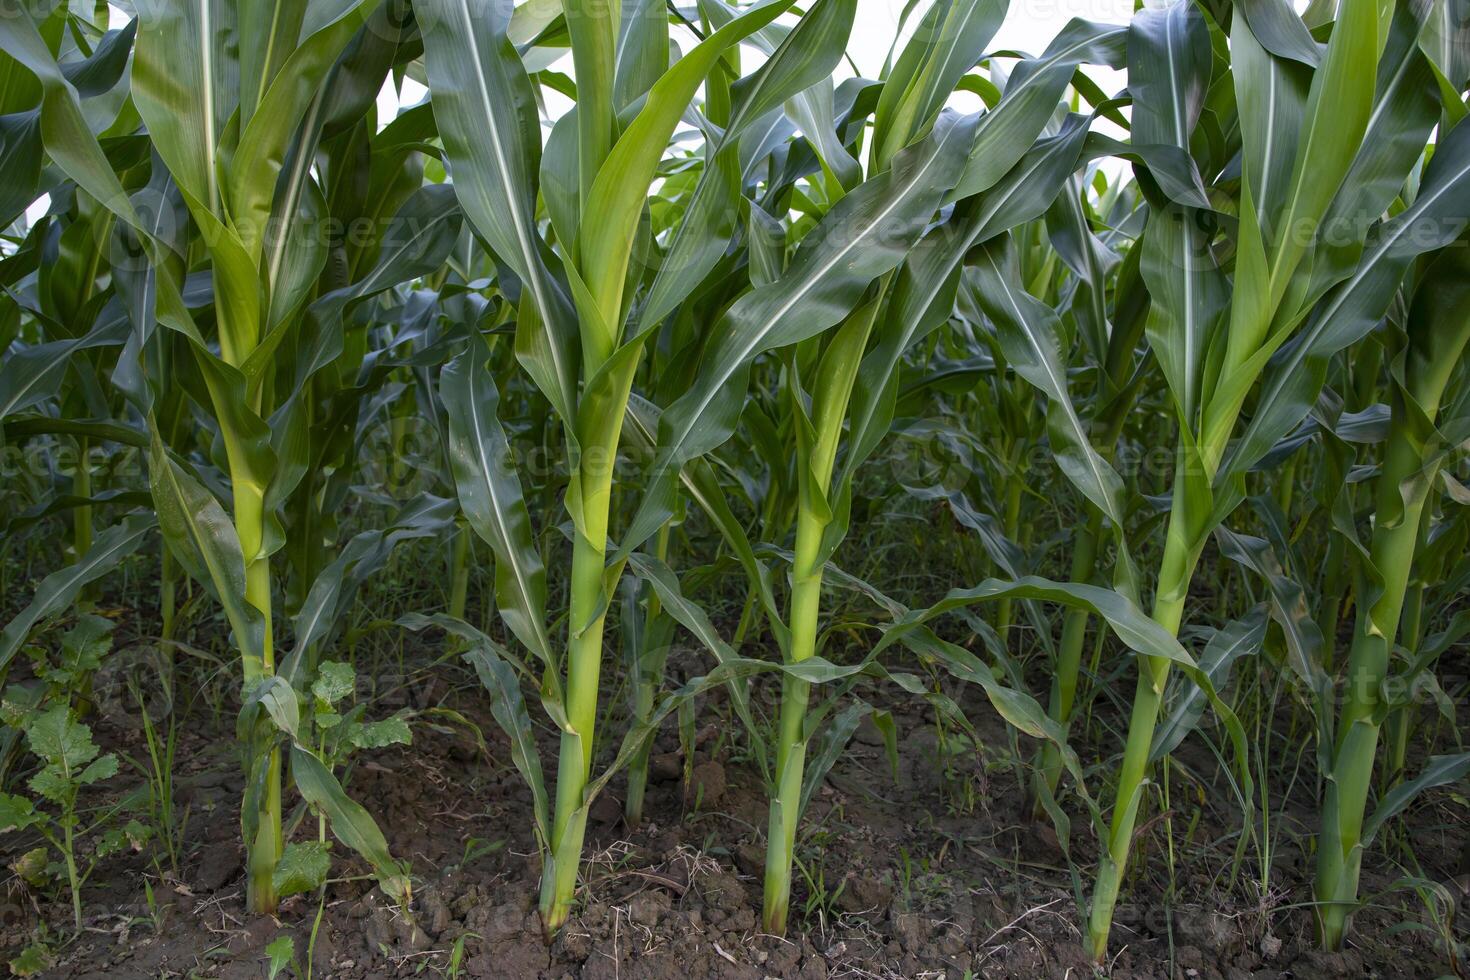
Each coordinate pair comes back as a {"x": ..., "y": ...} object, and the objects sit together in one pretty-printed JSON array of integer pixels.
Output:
[
  {"x": 645, "y": 683},
  {"x": 806, "y": 594},
  {"x": 1069, "y": 662},
  {"x": 1339, "y": 849},
  {"x": 584, "y": 666},
  {"x": 459, "y": 573},
  {"x": 166, "y": 598},
  {"x": 831, "y": 395},
  {"x": 1012, "y": 518},
  {"x": 1175, "y": 572},
  {"x": 82, "y": 487},
  {"x": 1401, "y": 719},
  {"x": 1439, "y": 332},
  {"x": 264, "y": 851}
]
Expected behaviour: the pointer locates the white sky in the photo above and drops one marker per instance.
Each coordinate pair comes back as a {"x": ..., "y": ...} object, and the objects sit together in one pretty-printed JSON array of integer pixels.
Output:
[{"x": 1029, "y": 26}]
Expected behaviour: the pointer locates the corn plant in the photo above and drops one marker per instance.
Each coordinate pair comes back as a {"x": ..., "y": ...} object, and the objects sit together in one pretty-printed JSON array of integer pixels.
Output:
[
  {"x": 1437, "y": 333},
  {"x": 578, "y": 342},
  {"x": 1311, "y": 130},
  {"x": 184, "y": 92},
  {"x": 654, "y": 329},
  {"x": 1110, "y": 335}
]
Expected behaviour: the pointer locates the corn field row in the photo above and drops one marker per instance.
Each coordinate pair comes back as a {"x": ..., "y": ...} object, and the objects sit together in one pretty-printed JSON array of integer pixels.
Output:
[{"x": 650, "y": 320}]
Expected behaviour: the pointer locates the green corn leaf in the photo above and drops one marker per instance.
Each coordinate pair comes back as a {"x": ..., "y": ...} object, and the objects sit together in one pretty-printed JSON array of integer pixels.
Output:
[
  {"x": 805, "y": 57},
  {"x": 1440, "y": 770},
  {"x": 830, "y": 747},
  {"x": 1188, "y": 295},
  {"x": 32, "y": 375},
  {"x": 21, "y": 150},
  {"x": 617, "y": 194},
  {"x": 203, "y": 538},
  {"x": 490, "y": 493},
  {"x": 878, "y": 222},
  {"x": 1030, "y": 335},
  {"x": 59, "y": 590},
  {"x": 672, "y": 599},
  {"x": 1338, "y": 111},
  {"x": 1168, "y": 72},
  {"x": 1293, "y": 379},
  {"x": 1288, "y": 605},
  {"x": 703, "y": 486},
  {"x": 328, "y": 598},
  {"x": 419, "y": 238},
  {"x": 349, "y": 822},
  {"x": 642, "y": 50},
  {"x": 485, "y": 110},
  {"x": 947, "y": 43},
  {"x": 186, "y": 83},
  {"x": 284, "y": 97},
  {"x": 1031, "y": 95},
  {"x": 1238, "y": 638},
  {"x": 500, "y": 679}
]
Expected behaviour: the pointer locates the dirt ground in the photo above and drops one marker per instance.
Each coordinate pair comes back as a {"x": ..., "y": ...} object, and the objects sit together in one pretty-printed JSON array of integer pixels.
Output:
[{"x": 925, "y": 875}]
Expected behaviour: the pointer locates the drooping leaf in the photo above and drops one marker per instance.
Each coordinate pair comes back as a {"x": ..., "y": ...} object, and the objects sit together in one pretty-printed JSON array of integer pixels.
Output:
[{"x": 60, "y": 589}]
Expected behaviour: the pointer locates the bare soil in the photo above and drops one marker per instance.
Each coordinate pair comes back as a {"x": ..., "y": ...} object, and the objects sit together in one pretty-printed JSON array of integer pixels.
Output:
[{"x": 916, "y": 876}]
